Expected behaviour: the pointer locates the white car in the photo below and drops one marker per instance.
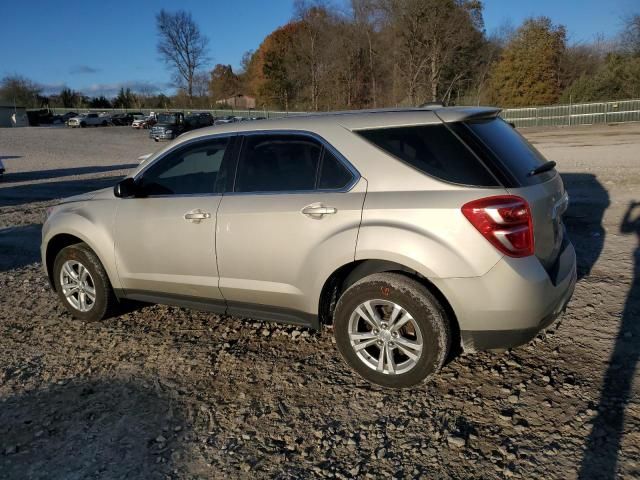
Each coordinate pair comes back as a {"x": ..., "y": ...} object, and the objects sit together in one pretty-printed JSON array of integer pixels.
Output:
[
  {"x": 88, "y": 119},
  {"x": 138, "y": 121}
]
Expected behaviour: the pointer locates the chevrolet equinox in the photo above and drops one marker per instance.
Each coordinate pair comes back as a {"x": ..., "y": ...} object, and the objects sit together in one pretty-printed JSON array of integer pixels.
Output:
[{"x": 411, "y": 231}]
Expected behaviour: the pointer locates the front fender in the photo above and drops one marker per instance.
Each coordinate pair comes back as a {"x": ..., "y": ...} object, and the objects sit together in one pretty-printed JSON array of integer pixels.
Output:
[{"x": 92, "y": 226}]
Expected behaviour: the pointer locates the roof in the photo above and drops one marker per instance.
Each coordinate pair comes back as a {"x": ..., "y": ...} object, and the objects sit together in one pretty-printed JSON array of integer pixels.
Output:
[{"x": 357, "y": 119}]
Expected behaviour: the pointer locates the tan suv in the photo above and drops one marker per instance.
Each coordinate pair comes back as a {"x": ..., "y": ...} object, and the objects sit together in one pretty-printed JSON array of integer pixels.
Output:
[{"x": 412, "y": 232}]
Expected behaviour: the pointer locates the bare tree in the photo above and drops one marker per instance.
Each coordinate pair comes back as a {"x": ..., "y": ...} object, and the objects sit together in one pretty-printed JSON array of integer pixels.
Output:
[
  {"x": 631, "y": 34},
  {"x": 365, "y": 17},
  {"x": 201, "y": 84},
  {"x": 20, "y": 90},
  {"x": 315, "y": 17},
  {"x": 182, "y": 46}
]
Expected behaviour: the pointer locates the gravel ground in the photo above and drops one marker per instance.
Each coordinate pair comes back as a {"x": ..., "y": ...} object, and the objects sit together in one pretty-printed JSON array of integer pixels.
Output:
[{"x": 163, "y": 392}]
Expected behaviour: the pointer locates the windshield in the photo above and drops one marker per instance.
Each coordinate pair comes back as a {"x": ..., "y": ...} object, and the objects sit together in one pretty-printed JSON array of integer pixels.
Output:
[{"x": 167, "y": 118}]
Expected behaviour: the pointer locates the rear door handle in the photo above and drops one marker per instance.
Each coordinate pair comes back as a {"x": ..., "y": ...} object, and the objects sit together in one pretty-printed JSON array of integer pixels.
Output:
[
  {"x": 196, "y": 216},
  {"x": 318, "y": 210}
]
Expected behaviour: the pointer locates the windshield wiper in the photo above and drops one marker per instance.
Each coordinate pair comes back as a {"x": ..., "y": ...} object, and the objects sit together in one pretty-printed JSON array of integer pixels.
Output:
[{"x": 545, "y": 167}]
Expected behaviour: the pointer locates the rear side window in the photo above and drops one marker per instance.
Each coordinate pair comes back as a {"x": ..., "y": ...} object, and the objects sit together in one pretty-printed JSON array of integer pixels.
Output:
[
  {"x": 333, "y": 174},
  {"x": 433, "y": 150},
  {"x": 511, "y": 149},
  {"x": 271, "y": 163}
]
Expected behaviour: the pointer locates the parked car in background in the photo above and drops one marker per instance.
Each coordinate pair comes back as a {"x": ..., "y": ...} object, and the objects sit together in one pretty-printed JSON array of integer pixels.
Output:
[
  {"x": 138, "y": 120},
  {"x": 198, "y": 120},
  {"x": 414, "y": 232},
  {"x": 143, "y": 121},
  {"x": 206, "y": 118},
  {"x": 88, "y": 120},
  {"x": 68, "y": 116},
  {"x": 223, "y": 120},
  {"x": 150, "y": 121},
  {"x": 127, "y": 118},
  {"x": 169, "y": 125}
]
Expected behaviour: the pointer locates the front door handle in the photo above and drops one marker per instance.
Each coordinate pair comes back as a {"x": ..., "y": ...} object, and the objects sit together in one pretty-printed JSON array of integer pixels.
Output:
[
  {"x": 318, "y": 210},
  {"x": 196, "y": 216}
]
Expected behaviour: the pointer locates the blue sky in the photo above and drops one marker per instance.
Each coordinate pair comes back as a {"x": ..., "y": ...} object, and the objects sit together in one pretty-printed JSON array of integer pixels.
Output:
[{"x": 97, "y": 46}]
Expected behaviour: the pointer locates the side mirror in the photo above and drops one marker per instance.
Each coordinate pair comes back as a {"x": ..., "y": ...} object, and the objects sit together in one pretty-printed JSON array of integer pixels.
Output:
[{"x": 125, "y": 188}]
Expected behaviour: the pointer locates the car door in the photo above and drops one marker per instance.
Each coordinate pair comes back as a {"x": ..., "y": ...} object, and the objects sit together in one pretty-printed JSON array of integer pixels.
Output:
[
  {"x": 165, "y": 235},
  {"x": 296, "y": 205}
]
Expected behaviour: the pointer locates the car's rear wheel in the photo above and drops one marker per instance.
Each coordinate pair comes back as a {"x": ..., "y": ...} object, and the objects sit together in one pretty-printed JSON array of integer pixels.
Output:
[
  {"x": 391, "y": 330},
  {"x": 82, "y": 283}
]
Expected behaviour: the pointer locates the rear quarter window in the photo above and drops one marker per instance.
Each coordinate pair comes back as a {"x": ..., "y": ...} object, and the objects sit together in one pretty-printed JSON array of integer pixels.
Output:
[
  {"x": 511, "y": 149},
  {"x": 433, "y": 150}
]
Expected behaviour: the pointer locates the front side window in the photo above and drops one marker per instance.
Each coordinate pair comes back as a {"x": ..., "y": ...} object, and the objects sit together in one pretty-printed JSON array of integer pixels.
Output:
[
  {"x": 283, "y": 163},
  {"x": 192, "y": 170}
]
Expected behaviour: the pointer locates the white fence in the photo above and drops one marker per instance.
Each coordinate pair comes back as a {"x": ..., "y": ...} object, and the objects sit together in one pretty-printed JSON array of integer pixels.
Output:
[
  {"x": 574, "y": 114},
  {"x": 553, "y": 115}
]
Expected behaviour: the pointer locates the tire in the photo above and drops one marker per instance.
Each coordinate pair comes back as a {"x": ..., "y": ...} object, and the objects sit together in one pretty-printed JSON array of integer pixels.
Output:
[
  {"x": 104, "y": 124},
  {"x": 83, "y": 124},
  {"x": 426, "y": 326},
  {"x": 104, "y": 303}
]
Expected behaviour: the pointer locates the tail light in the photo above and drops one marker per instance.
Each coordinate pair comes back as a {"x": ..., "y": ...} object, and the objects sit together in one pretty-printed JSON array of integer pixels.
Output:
[{"x": 505, "y": 221}]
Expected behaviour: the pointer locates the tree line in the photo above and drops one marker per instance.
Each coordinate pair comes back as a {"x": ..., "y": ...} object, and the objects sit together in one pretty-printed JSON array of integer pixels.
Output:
[{"x": 381, "y": 53}]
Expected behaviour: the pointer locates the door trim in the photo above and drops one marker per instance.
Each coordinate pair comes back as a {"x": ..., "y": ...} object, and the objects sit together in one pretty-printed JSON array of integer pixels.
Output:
[{"x": 222, "y": 307}]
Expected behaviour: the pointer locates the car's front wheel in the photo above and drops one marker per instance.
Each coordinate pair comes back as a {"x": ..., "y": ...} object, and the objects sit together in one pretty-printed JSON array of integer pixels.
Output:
[
  {"x": 391, "y": 330},
  {"x": 82, "y": 283}
]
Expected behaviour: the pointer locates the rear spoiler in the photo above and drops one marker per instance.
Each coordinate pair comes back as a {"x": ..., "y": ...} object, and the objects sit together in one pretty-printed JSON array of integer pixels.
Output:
[{"x": 461, "y": 114}]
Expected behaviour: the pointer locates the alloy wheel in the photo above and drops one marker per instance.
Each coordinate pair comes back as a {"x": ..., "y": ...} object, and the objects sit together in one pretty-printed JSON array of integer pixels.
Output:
[
  {"x": 77, "y": 285},
  {"x": 385, "y": 337}
]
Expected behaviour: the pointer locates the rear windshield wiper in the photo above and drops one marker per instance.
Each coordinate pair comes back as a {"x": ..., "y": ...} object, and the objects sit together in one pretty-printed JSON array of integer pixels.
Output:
[{"x": 545, "y": 167}]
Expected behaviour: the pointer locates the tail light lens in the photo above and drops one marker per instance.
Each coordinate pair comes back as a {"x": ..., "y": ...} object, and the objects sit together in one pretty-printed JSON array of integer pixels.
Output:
[{"x": 505, "y": 221}]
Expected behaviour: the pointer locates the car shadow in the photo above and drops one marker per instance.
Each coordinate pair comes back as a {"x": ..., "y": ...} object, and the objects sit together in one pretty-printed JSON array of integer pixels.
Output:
[
  {"x": 62, "y": 172},
  {"x": 40, "y": 192},
  {"x": 588, "y": 200},
  {"x": 20, "y": 246},
  {"x": 90, "y": 429},
  {"x": 600, "y": 458}
]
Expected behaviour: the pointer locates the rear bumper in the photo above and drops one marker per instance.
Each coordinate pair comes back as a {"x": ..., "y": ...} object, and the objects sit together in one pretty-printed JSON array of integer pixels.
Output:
[
  {"x": 511, "y": 303},
  {"x": 474, "y": 340}
]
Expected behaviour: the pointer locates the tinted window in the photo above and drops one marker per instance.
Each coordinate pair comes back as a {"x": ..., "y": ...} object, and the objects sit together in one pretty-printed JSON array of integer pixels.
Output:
[
  {"x": 191, "y": 170},
  {"x": 270, "y": 163},
  {"x": 511, "y": 149},
  {"x": 433, "y": 150},
  {"x": 333, "y": 174}
]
